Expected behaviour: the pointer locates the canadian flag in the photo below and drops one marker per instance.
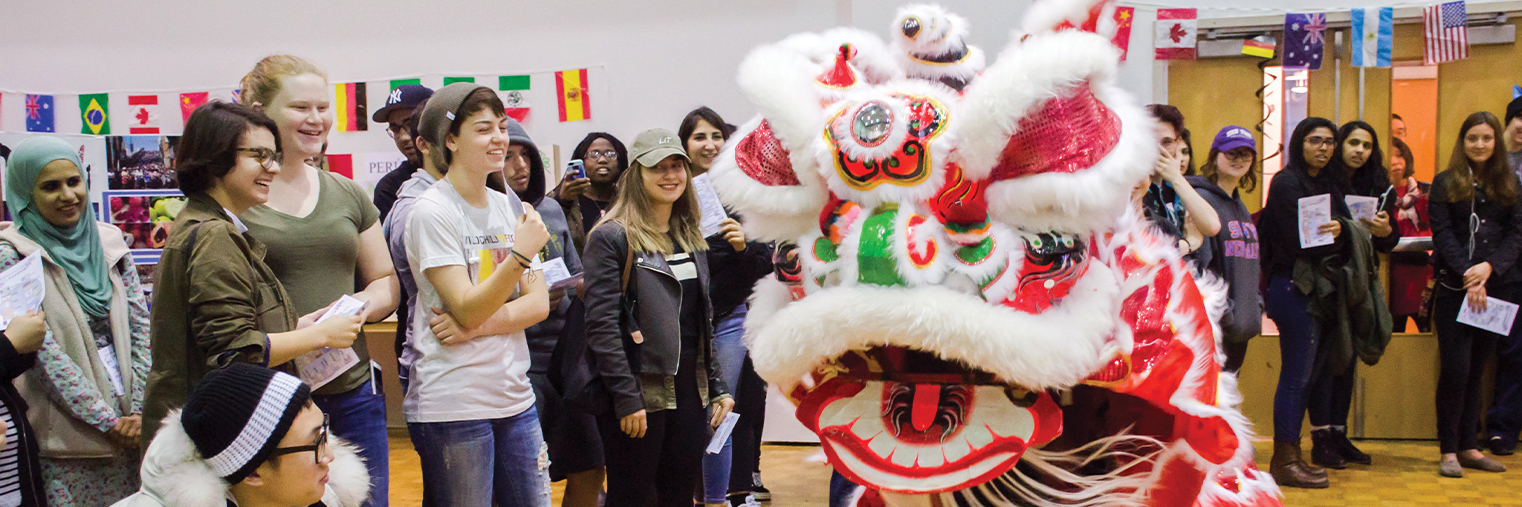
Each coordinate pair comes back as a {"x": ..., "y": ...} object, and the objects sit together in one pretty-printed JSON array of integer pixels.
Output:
[
  {"x": 142, "y": 114},
  {"x": 1176, "y": 33}
]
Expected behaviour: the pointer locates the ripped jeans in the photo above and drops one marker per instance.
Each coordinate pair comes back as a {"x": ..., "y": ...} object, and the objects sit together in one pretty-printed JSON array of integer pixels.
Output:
[{"x": 480, "y": 463}]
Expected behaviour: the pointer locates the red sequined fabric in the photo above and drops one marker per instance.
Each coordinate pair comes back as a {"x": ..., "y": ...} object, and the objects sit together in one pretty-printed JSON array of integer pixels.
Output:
[
  {"x": 763, "y": 158},
  {"x": 1067, "y": 135}
]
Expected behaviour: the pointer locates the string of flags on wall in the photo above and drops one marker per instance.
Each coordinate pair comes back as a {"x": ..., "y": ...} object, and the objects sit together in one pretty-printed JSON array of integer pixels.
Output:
[
  {"x": 1445, "y": 35},
  {"x": 130, "y": 113}
]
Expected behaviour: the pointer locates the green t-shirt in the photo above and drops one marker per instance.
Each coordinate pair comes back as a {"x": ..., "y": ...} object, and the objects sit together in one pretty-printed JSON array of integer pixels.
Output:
[{"x": 315, "y": 257}]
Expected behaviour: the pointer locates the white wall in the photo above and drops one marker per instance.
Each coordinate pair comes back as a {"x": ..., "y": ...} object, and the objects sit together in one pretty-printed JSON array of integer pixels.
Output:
[{"x": 651, "y": 60}]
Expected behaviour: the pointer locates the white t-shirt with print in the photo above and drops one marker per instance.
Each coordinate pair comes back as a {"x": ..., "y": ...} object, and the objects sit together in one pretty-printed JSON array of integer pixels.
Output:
[{"x": 484, "y": 378}]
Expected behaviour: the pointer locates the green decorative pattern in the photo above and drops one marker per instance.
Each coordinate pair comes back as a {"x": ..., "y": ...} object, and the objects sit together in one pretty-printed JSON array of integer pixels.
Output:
[
  {"x": 973, "y": 254},
  {"x": 875, "y": 261}
]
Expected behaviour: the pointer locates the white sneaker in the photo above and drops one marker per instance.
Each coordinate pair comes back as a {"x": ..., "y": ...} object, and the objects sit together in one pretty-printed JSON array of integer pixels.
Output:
[{"x": 750, "y": 501}]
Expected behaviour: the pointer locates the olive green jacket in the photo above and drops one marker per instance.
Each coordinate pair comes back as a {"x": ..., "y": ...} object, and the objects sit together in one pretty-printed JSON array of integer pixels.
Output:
[{"x": 214, "y": 302}]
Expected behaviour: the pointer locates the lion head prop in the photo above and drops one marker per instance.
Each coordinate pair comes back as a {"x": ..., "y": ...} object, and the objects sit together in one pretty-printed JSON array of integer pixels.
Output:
[{"x": 966, "y": 310}]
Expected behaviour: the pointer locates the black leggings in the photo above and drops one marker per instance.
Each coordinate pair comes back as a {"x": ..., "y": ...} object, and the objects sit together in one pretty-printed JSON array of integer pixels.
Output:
[
  {"x": 666, "y": 464},
  {"x": 1464, "y": 351}
]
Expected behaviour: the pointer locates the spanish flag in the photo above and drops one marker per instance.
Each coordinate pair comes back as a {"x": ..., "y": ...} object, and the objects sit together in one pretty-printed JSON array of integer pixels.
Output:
[
  {"x": 349, "y": 100},
  {"x": 571, "y": 87}
]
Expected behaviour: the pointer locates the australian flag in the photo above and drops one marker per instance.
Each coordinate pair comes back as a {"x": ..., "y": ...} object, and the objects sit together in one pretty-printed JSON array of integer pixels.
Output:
[
  {"x": 1304, "y": 40},
  {"x": 39, "y": 113}
]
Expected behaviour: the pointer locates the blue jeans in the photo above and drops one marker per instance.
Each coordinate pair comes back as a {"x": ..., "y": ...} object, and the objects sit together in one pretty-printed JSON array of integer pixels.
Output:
[
  {"x": 359, "y": 416},
  {"x": 1299, "y": 335},
  {"x": 480, "y": 463},
  {"x": 729, "y": 345}
]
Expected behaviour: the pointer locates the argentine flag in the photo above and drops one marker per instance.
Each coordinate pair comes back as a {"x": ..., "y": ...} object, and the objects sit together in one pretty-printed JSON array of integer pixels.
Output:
[{"x": 1373, "y": 33}]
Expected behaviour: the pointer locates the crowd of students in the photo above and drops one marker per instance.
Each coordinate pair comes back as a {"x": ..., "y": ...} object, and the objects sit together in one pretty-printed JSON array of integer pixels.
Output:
[
  {"x": 1327, "y": 300},
  {"x": 618, "y": 370}
]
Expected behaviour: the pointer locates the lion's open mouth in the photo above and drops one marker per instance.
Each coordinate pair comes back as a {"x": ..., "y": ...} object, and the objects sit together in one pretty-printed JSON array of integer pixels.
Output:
[{"x": 908, "y": 421}]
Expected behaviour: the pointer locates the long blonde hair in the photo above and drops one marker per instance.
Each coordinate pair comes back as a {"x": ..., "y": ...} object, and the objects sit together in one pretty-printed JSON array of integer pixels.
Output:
[
  {"x": 633, "y": 209},
  {"x": 262, "y": 84}
]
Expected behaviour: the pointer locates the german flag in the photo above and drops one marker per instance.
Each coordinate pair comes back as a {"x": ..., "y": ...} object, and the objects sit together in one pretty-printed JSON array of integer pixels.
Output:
[
  {"x": 349, "y": 99},
  {"x": 571, "y": 88}
]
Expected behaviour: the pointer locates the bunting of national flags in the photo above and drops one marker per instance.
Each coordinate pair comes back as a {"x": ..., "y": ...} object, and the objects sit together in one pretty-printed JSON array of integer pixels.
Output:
[
  {"x": 153, "y": 113},
  {"x": 1445, "y": 34}
]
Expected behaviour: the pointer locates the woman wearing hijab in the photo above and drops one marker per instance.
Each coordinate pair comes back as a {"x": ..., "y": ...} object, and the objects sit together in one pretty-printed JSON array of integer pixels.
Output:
[{"x": 86, "y": 397}]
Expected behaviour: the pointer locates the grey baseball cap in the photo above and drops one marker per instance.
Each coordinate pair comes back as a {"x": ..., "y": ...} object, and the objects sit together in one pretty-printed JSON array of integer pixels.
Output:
[
  {"x": 439, "y": 111},
  {"x": 654, "y": 145}
]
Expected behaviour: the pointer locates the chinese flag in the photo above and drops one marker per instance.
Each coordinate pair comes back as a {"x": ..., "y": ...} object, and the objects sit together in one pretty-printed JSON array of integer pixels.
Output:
[
  {"x": 1123, "y": 17},
  {"x": 190, "y": 101},
  {"x": 571, "y": 88}
]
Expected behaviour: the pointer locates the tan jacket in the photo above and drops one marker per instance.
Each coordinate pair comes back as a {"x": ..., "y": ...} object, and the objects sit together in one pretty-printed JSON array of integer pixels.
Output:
[
  {"x": 214, "y": 302},
  {"x": 59, "y": 433}
]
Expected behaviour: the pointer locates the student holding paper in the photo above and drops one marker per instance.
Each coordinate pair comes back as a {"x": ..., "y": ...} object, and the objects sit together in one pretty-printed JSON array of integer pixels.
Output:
[
  {"x": 86, "y": 399},
  {"x": 1476, "y": 238},
  {"x": 1307, "y": 174},
  {"x": 215, "y": 301},
  {"x": 1361, "y": 162},
  {"x": 470, "y": 404},
  {"x": 649, "y": 330},
  {"x": 734, "y": 267},
  {"x": 325, "y": 241}
]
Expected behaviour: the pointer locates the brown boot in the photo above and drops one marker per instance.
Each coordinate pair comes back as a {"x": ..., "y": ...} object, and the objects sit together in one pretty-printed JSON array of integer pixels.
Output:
[{"x": 1290, "y": 470}]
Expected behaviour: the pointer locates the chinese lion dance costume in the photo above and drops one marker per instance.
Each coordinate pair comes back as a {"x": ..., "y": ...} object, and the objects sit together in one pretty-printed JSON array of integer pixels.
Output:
[{"x": 966, "y": 310}]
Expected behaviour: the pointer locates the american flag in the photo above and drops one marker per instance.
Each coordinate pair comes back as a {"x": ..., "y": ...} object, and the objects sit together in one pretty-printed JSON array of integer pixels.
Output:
[{"x": 1447, "y": 32}]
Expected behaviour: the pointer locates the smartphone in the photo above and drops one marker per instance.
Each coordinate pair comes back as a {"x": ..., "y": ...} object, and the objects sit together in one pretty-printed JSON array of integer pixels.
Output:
[{"x": 575, "y": 170}]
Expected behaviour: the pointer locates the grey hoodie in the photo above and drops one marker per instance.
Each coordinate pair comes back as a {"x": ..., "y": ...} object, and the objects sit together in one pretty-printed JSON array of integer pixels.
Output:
[
  {"x": 1232, "y": 255},
  {"x": 543, "y": 336}
]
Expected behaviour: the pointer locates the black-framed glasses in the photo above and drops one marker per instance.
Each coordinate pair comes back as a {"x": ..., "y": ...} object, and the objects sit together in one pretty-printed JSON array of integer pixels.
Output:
[
  {"x": 1320, "y": 141},
  {"x": 607, "y": 154},
  {"x": 265, "y": 156},
  {"x": 317, "y": 448},
  {"x": 395, "y": 129}
]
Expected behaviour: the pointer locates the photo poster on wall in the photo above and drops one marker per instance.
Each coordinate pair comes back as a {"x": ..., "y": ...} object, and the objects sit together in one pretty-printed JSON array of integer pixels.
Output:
[{"x": 142, "y": 195}]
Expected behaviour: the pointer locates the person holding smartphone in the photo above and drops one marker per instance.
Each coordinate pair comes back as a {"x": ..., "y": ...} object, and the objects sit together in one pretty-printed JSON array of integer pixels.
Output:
[{"x": 586, "y": 197}]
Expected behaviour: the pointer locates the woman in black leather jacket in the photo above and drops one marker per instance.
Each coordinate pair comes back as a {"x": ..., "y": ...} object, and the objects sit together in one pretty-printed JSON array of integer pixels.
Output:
[
  {"x": 1476, "y": 238},
  {"x": 649, "y": 326}
]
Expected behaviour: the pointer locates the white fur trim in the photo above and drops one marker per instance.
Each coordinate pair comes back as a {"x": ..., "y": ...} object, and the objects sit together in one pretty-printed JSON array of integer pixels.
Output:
[
  {"x": 1090, "y": 199},
  {"x": 940, "y": 30},
  {"x": 779, "y": 79},
  {"x": 1026, "y": 74},
  {"x": 1058, "y": 348},
  {"x": 965, "y": 69},
  {"x": 772, "y": 212},
  {"x": 174, "y": 474},
  {"x": 1045, "y": 15},
  {"x": 939, "y": 148},
  {"x": 929, "y": 232}
]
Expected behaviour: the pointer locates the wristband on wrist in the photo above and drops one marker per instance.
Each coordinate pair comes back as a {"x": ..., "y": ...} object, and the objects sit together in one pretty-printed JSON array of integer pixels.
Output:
[{"x": 523, "y": 258}]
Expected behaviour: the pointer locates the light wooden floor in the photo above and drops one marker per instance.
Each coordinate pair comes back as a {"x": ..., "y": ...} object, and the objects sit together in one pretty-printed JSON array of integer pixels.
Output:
[{"x": 1404, "y": 474}]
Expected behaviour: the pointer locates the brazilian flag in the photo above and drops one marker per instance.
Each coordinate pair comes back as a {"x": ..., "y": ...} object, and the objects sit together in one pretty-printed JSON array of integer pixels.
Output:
[{"x": 93, "y": 114}]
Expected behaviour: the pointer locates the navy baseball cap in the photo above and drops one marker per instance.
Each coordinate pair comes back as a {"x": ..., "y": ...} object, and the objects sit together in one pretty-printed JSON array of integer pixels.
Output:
[
  {"x": 1233, "y": 137},
  {"x": 403, "y": 97}
]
